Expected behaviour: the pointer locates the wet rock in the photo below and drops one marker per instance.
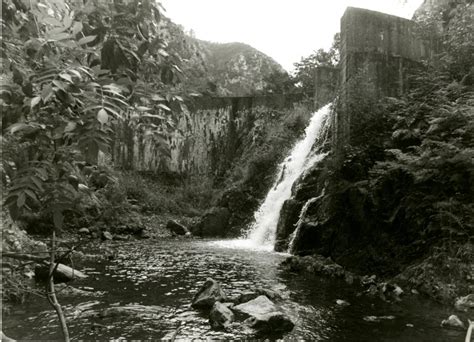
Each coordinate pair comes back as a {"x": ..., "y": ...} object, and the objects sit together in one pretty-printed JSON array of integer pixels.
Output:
[
  {"x": 62, "y": 274},
  {"x": 220, "y": 316},
  {"x": 264, "y": 315},
  {"x": 213, "y": 223},
  {"x": 376, "y": 319},
  {"x": 342, "y": 302},
  {"x": 84, "y": 231},
  {"x": 453, "y": 322},
  {"x": 144, "y": 234},
  {"x": 272, "y": 322},
  {"x": 209, "y": 293},
  {"x": 246, "y": 296},
  {"x": 271, "y": 294},
  {"x": 66, "y": 290},
  {"x": 107, "y": 236},
  {"x": 465, "y": 303},
  {"x": 121, "y": 237},
  {"x": 133, "y": 310},
  {"x": 258, "y": 306},
  {"x": 176, "y": 227}
]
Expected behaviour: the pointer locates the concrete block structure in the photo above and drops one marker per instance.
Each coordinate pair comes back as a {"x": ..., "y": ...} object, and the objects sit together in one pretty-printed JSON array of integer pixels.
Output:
[{"x": 377, "y": 52}]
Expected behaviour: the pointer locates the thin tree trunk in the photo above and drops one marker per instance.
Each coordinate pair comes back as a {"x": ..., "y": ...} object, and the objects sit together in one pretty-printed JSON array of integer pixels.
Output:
[{"x": 51, "y": 294}]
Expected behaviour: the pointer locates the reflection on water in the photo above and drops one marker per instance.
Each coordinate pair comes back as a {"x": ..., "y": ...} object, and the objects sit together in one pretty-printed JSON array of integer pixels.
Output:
[{"x": 149, "y": 286}]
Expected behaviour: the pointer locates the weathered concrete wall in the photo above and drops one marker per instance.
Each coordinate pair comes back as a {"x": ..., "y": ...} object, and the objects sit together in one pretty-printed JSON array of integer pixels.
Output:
[
  {"x": 377, "y": 52},
  {"x": 326, "y": 80},
  {"x": 204, "y": 142}
]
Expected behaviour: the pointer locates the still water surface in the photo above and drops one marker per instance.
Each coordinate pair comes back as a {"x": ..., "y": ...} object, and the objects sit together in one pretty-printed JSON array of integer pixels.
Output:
[{"x": 157, "y": 280}]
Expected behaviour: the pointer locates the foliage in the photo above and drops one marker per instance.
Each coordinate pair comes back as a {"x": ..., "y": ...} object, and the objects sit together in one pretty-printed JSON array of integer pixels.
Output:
[
  {"x": 305, "y": 69},
  {"x": 71, "y": 73}
]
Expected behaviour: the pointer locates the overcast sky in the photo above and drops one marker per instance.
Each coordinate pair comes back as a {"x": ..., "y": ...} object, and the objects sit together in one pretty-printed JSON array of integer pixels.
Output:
[{"x": 285, "y": 30}]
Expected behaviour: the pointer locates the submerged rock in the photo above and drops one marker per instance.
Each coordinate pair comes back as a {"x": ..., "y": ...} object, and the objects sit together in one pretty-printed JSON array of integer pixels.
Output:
[
  {"x": 177, "y": 227},
  {"x": 376, "y": 319},
  {"x": 465, "y": 303},
  {"x": 342, "y": 302},
  {"x": 272, "y": 322},
  {"x": 62, "y": 274},
  {"x": 133, "y": 310},
  {"x": 209, "y": 293},
  {"x": 107, "y": 236},
  {"x": 453, "y": 322},
  {"x": 221, "y": 316}
]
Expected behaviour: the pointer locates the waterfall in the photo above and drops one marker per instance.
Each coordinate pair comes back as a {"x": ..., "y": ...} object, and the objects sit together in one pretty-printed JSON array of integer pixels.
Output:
[{"x": 263, "y": 230}]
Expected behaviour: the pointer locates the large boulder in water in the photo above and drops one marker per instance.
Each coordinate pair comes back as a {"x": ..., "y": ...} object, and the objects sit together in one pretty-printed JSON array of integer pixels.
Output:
[
  {"x": 264, "y": 315},
  {"x": 220, "y": 316},
  {"x": 213, "y": 223},
  {"x": 209, "y": 293}
]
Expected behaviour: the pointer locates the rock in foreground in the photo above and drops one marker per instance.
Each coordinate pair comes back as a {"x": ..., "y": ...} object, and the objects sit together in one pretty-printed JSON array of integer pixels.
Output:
[
  {"x": 220, "y": 316},
  {"x": 264, "y": 316},
  {"x": 209, "y": 293}
]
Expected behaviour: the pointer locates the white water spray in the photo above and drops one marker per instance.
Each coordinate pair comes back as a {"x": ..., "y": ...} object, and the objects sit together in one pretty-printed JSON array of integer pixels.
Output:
[{"x": 262, "y": 233}]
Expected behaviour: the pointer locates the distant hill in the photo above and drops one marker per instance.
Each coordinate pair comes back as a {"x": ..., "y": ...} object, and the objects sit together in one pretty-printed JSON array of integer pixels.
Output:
[
  {"x": 222, "y": 69},
  {"x": 238, "y": 69}
]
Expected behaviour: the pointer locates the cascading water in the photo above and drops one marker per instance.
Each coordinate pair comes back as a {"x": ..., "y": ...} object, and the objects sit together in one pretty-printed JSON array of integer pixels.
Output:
[{"x": 262, "y": 233}]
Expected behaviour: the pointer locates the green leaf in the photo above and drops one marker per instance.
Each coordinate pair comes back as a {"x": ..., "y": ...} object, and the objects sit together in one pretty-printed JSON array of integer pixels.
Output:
[
  {"x": 35, "y": 101},
  {"x": 143, "y": 108},
  {"x": 47, "y": 93},
  {"x": 86, "y": 40},
  {"x": 77, "y": 27},
  {"x": 20, "y": 202},
  {"x": 18, "y": 127},
  {"x": 66, "y": 77},
  {"x": 156, "y": 97},
  {"x": 71, "y": 126},
  {"x": 102, "y": 116},
  {"x": 164, "y": 107}
]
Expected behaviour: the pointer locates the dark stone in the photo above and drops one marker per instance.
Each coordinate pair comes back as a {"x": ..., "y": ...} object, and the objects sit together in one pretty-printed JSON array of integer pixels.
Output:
[
  {"x": 289, "y": 216},
  {"x": 176, "y": 228},
  {"x": 209, "y": 293},
  {"x": 220, "y": 316},
  {"x": 213, "y": 223},
  {"x": 272, "y": 322}
]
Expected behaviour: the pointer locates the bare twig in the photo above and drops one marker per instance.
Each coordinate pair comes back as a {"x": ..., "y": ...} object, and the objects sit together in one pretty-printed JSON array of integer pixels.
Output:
[{"x": 51, "y": 294}]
